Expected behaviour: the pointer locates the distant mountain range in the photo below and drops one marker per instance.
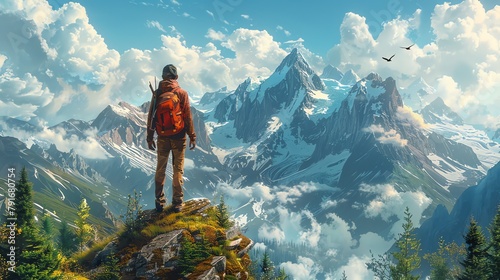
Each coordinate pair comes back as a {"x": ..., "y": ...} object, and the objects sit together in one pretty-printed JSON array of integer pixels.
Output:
[{"x": 314, "y": 147}]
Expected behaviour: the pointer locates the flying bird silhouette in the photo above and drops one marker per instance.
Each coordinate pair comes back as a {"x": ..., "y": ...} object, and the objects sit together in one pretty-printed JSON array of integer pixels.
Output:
[
  {"x": 388, "y": 59},
  {"x": 407, "y": 48}
]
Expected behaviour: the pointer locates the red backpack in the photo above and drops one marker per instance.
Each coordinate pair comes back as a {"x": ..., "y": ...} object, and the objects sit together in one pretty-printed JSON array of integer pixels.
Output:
[{"x": 169, "y": 120}]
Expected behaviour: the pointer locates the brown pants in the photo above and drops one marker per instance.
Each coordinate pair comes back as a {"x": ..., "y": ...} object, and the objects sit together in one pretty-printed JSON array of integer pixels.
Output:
[{"x": 164, "y": 147}]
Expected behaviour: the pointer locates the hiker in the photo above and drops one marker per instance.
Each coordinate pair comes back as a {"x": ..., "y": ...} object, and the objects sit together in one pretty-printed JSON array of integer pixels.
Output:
[{"x": 170, "y": 117}]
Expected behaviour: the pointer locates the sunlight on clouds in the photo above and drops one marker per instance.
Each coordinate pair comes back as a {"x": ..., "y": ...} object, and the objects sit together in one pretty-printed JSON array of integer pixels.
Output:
[
  {"x": 386, "y": 137},
  {"x": 355, "y": 269},
  {"x": 336, "y": 235},
  {"x": 407, "y": 116},
  {"x": 304, "y": 269},
  {"x": 271, "y": 233},
  {"x": 465, "y": 49},
  {"x": 215, "y": 35},
  {"x": 388, "y": 202}
]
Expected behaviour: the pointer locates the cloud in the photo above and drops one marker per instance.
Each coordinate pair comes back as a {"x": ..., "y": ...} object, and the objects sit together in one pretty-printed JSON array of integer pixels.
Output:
[
  {"x": 290, "y": 194},
  {"x": 155, "y": 24},
  {"x": 271, "y": 233},
  {"x": 388, "y": 202},
  {"x": 87, "y": 147},
  {"x": 245, "y": 16},
  {"x": 386, "y": 137},
  {"x": 463, "y": 54},
  {"x": 355, "y": 269},
  {"x": 304, "y": 269},
  {"x": 406, "y": 115},
  {"x": 83, "y": 75},
  {"x": 286, "y": 32},
  {"x": 215, "y": 35}
]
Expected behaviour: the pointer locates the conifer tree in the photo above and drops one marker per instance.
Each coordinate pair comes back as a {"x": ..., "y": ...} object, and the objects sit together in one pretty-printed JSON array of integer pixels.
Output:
[
  {"x": 282, "y": 275},
  {"x": 407, "y": 258},
  {"x": 439, "y": 263},
  {"x": 222, "y": 215},
  {"x": 133, "y": 218},
  {"x": 25, "y": 210},
  {"x": 37, "y": 256},
  {"x": 266, "y": 267},
  {"x": 475, "y": 263},
  {"x": 192, "y": 253},
  {"x": 67, "y": 239},
  {"x": 380, "y": 266},
  {"x": 344, "y": 276},
  {"x": 47, "y": 226},
  {"x": 83, "y": 230},
  {"x": 495, "y": 244}
]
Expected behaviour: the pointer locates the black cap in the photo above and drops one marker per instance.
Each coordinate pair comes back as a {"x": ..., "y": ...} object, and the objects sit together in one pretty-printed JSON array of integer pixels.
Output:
[{"x": 170, "y": 71}]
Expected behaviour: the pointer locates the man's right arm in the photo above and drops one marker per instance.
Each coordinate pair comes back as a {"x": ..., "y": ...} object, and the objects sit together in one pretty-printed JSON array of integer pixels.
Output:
[{"x": 150, "y": 127}]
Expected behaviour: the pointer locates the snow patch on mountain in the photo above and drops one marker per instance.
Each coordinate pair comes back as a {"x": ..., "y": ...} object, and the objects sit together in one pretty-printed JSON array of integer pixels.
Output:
[
  {"x": 487, "y": 151},
  {"x": 450, "y": 172}
]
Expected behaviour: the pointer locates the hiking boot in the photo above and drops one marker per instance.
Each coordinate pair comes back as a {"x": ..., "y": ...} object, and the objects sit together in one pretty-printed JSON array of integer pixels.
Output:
[
  {"x": 177, "y": 207},
  {"x": 159, "y": 205}
]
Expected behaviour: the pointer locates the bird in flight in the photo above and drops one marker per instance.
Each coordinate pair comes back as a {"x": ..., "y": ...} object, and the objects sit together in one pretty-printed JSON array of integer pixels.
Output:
[
  {"x": 407, "y": 48},
  {"x": 388, "y": 59}
]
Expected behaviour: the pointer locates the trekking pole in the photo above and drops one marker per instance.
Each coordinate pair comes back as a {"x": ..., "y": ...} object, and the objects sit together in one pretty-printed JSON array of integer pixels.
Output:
[{"x": 153, "y": 101}]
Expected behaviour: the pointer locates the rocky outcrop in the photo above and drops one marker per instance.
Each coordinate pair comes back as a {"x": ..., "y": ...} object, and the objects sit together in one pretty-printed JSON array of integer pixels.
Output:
[{"x": 159, "y": 257}]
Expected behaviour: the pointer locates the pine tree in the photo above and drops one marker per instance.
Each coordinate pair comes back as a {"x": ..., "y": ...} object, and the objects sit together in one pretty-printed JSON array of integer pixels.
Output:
[
  {"x": 495, "y": 244},
  {"x": 25, "y": 210},
  {"x": 475, "y": 264},
  {"x": 266, "y": 267},
  {"x": 381, "y": 266},
  {"x": 281, "y": 275},
  {"x": 222, "y": 215},
  {"x": 439, "y": 263},
  {"x": 84, "y": 230},
  {"x": 344, "y": 276},
  {"x": 67, "y": 239},
  {"x": 407, "y": 258},
  {"x": 37, "y": 257},
  {"x": 133, "y": 219},
  {"x": 47, "y": 226}
]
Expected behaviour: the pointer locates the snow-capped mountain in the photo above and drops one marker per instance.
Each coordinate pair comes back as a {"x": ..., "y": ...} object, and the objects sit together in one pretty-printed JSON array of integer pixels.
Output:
[
  {"x": 300, "y": 157},
  {"x": 496, "y": 136},
  {"x": 210, "y": 99},
  {"x": 418, "y": 95},
  {"x": 349, "y": 78},
  {"x": 331, "y": 72},
  {"x": 444, "y": 121},
  {"x": 60, "y": 181}
]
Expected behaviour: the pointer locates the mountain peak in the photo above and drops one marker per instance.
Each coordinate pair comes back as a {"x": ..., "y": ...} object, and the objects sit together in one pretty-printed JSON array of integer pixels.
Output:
[
  {"x": 350, "y": 78},
  {"x": 331, "y": 72},
  {"x": 374, "y": 76},
  {"x": 437, "y": 109},
  {"x": 294, "y": 58}
]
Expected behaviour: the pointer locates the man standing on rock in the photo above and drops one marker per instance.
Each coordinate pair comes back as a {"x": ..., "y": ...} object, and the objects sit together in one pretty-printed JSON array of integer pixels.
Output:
[{"x": 170, "y": 117}]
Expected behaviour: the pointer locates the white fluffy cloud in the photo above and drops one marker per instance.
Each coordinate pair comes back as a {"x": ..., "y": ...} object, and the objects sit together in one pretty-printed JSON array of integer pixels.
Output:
[
  {"x": 304, "y": 269},
  {"x": 388, "y": 202},
  {"x": 87, "y": 147},
  {"x": 461, "y": 62},
  {"x": 81, "y": 74},
  {"x": 386, "y": 137},
  {"x": 406, "y": 115}
]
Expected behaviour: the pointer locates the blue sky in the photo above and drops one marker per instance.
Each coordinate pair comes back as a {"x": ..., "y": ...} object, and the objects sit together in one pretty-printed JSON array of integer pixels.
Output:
[
  {"x": 57, "y": 57},
  {"x": 123, "y": 24}
]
